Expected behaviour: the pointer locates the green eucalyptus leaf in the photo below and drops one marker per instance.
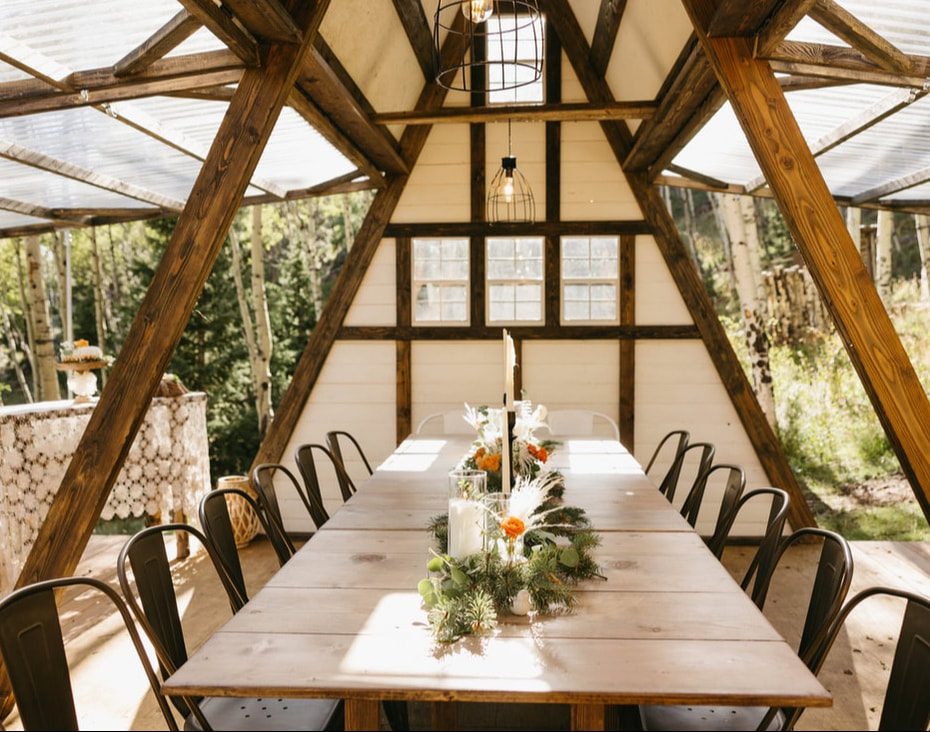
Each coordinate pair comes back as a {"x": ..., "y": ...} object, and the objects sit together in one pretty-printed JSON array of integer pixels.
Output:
[
  {"x": 435, "y": 564},
  {"x": 569, "y": 557},
  {"x": 425, "y": 587},
  {"x": 458, "y": 576}
]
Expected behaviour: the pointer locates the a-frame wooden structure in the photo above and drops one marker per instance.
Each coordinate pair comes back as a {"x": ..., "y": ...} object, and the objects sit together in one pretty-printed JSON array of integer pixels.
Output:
[{"x": 277, "y": 58}]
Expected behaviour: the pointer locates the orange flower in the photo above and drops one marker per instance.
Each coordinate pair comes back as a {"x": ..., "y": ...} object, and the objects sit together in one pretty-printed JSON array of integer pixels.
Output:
[
  {"x": 513, "y": 527},
  {"x": 540, "y": 453},
  {"x": 80, "y": 343},
  {"x": 491, "y": 463},
  {"x": 479, "y": 453}
]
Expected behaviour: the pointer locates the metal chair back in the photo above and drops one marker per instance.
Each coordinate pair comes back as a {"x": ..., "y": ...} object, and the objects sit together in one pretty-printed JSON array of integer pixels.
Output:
[
  {"x": 33, "y": 651},
  {"x": 683, "y": 437},
  {"x": 306, "y": 464},
  {"x": 263, "y": 483},
  {"x": 705, "y": 451},
  {"x": 333, "y": 441},
  {"x": 733, "y": 489}
]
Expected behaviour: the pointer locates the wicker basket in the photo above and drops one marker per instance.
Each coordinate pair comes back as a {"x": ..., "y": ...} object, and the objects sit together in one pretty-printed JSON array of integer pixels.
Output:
[{"x": 244, "y": 522}]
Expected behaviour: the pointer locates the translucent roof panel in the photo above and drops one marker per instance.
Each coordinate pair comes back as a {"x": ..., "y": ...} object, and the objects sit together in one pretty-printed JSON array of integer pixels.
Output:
[
  {"x": 9, "y": 220},
  {"x": 202, "y": 40},
  {"x": 82, "y": 34},
  {"x": 11, "y": 73},
  {"x": 38, "y": 187},
  {"x": 96, "y": 141},
  {"x": 902, "y": 22}
]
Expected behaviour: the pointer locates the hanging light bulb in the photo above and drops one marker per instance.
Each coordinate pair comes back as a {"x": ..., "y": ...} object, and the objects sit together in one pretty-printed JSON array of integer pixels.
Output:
[
  {"x": 510, "y": 198},
  {"x": 478, "y": 11}
]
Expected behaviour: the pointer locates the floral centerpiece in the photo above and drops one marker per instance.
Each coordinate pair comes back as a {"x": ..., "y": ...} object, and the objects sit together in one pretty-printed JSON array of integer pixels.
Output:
[{"x": 536, "y": 548}]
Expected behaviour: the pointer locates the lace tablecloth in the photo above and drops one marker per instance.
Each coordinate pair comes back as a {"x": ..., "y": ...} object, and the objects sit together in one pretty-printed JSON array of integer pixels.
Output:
[{"x": 167, "y": 469}]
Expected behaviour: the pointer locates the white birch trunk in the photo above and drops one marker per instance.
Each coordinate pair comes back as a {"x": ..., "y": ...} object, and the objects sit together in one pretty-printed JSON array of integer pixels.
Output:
[
  {"x": 11, "y": 350},
  {"x": 922, "y": 223},
  {"x": 262, "y": 323},
  {"x": 347, "y": 222},
  {"x": 313, "y": 261},
  {"x": 44, "y": 344},
  {"x": 97, "y": 272},
  {"x": 248, "y": 328},
  {"x": 739, "y": 215},
  {"x": 883, "y": 255},
  {"x": 854, "y": 225},
  {"x": 26, "y": 305}
]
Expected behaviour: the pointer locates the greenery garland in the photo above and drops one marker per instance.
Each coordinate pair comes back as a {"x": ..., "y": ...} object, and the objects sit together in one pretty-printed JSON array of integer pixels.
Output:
[{"x": 466, "y": 596}]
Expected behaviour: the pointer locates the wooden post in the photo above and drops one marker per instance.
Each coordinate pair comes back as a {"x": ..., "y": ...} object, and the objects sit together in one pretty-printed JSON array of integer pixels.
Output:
[
  {"x": 627, "y": 306},
  {"x": 819, "y": 231},
  {"x": 404, "y": 391},
  {"x": 41, "y": 323},
  {"x": 159, "y": 324}
]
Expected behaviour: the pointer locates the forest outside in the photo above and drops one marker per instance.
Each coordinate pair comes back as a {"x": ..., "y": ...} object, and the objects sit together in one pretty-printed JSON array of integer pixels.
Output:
[{"x": 830, "y": 432}]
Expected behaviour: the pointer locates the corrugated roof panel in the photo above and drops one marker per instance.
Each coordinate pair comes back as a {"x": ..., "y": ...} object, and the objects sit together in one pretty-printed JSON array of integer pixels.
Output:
[
  {"x": 9, "y": 220},
  {"x": 83, "y": 34},
  {"x": 901, "y": 22},
  {"x": 29, "y": 185}
]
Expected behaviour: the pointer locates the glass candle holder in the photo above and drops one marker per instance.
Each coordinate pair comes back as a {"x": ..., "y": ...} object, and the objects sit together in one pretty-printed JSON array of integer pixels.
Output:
[
  {"x": 503, "y": 532},
  {"x": 467, "y": 490}
]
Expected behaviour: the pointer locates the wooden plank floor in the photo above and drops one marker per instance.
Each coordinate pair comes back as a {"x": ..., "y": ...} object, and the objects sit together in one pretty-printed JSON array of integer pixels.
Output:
[{"x": 111, "y": 690}]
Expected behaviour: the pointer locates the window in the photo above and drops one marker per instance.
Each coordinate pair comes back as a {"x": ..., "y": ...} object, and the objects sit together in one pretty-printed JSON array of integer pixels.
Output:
[
  {"x": 590, "y": 279},
  {"x": 515, "y": 47},
  {"x": 440, "y": 281},
  {"x": 515, "y": 280}
]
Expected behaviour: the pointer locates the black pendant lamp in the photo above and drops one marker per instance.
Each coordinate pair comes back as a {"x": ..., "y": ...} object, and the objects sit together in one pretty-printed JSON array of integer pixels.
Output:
[{"x": 510, "y": 198}]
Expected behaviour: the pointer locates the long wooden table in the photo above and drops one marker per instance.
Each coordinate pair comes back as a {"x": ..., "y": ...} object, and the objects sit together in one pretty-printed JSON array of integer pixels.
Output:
[{"x": 343, "y": 618}]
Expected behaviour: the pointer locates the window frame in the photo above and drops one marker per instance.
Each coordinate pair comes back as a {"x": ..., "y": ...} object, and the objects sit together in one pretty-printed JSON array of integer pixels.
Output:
[
  {"x": 416, "y": 283},
  {"x": 489, "y": 281},
  {"x": 563, "y": 281}
]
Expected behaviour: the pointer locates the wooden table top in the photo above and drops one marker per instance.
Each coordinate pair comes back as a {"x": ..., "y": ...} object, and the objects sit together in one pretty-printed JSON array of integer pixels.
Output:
[{"x": 343, "y": 618}]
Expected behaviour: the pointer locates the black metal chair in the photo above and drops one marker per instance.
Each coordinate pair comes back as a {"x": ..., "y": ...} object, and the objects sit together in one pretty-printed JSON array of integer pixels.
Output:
[
  {"x": 761, "y": 565},
  {"x": 705, "y": 453},
  {"x": 332, "y": 441},
  {"x": 263, "y": 482},
  {"x": 157, "y": 612},
  {"x": 214, "y": 518},
  {"x": 907, "y": 703},
  {"x": 830, "y": 587},
  {"x": 671, "y": 475},
  {"x": 733, "y": 489},
  {"x": 33, "y": 651},
  {"x": 306, "y": 464}
]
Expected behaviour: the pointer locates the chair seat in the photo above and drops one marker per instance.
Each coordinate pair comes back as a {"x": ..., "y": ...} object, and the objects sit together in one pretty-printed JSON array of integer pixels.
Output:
[
  {"x": 269, "y": 713},
  {"x": 706, "y": 718}
]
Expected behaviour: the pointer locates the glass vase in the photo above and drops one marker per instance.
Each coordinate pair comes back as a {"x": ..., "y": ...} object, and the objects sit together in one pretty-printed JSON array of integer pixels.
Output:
[{"x": 467, "y": 491}]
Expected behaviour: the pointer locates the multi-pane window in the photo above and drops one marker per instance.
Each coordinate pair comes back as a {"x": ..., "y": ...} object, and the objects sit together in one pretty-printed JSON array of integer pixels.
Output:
[
  {"x": 589, "y": 279},
  {"x": 515, "y": 45},
  {"x": 515, "y": 280},
  {"x": 440, "y": 281}
]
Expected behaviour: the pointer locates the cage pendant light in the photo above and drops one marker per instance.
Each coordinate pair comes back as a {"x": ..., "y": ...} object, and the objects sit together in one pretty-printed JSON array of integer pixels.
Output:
[
  {"x": 505, "y": 38},
  {"x": 510, "y": 198}
]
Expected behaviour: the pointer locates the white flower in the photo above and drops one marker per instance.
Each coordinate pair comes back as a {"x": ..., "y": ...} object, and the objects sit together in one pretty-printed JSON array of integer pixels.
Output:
[{"x": 521, "y": 603}]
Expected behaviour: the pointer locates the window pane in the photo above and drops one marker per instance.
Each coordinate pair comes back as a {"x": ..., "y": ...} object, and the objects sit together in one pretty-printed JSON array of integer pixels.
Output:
[
  {"x": 604, "y": 268},
  {"x": 529, "y": 248},
  {"x": 528, "y": 293},
  {"x": 572, "y": 268},
  {"x": 604, "y": 247},
  {"x": 454, "y": 293},
  {"x": 576, "y": 292},
  {"x": 457, "y": 248},
  {"x": 603, "y": 310},
  {"x": 574, "y": 247},
  {"x": 500, "y": 248},
  {"x": 576, "y": 310},
  {"x": 427, "y": 303},
  {"x": 528, "y": 311},
  {"x": 604, "y": 293},
  {"x": 436, "y": 261},
  {"x": 501, "y": 311}
]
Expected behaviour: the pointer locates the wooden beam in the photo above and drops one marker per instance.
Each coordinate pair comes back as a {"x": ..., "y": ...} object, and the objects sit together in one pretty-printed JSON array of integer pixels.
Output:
[
  {"x": 404, "y": 389},
  {"x": 627, "y": 371},
  {"x": 350, "y": 275},
  {"x": 843, "y": 64},
  {"x": 331, "y": 87},
  {"x": 26, "y": 209},
  {"x": 740, "y": 17},
  {"x": 803, "y": 83},
  {"x": 605, "y": 33},
  {"x": 553, "y": 266},
  {"x": 564, "y": 112},
  {"x": 780, "y": 24},
  {"x": 538, "y": 228},
  {"x": 160, "y": 322},
  {"x": 413, "y": 18},
  {"x": 220, "y": 23},
  {"x": 41, "y": 161},
  {"x": 172, "y": 34},
  {"x": 902, "y": 183},
  {"x": 857, "y": 34},
  {"x": 531, "y": 333},
  {"x": 707, "y": 180},
  {"x": 832, "y": 259},
  {"x": 99, "y": 86},
  {"x": 267, "y": 19},
  {"x": 766, "y": 444}
]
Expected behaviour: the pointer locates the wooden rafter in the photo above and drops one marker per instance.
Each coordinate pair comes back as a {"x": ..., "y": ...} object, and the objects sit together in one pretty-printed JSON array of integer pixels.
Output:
[
  {"x": 413, "y": 18},
  {"x": 172, "y": 34},
  {"x": 707, "y": 180},
  {"x": 832, "y": 258},
  {"x": 267, "y": 19},
  {"x": 867, "y": 118},
  {"x": 780, "y": 24},
  {"x": 740, "y": 17},
  {"x": 177, "y": 284},
  {"x": 857, "y": 34},
  {"x": 350, "y": 275},
  {"x": 220, "y": 23},
  {"x": 766, "y": 444},
  {"x": 843, "y": 64},
  {"x": 887, "y": 188},
  {"x": 325, "y": 80},
  {"x": 36, "y": 159},
  {"x": 30, "y": 209},
  {"x": 605, "y": 33},
  {"x": 564, "y": 112}
]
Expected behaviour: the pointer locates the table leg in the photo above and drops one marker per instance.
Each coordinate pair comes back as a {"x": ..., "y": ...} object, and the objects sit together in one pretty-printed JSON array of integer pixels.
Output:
[
  {"x": 181, "y": 539},
  {"x": 362, "y": 714},
  {"x": 588, "y": 717},
  {"x": 445, "y": 716}
]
